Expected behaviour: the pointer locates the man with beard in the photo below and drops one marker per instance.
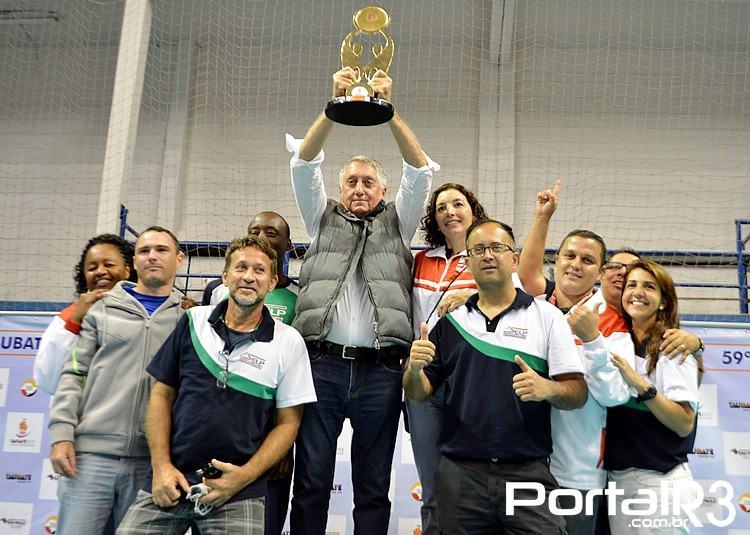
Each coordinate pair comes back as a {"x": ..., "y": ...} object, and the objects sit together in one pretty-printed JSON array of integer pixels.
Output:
[{"x": 230, "y": 388}]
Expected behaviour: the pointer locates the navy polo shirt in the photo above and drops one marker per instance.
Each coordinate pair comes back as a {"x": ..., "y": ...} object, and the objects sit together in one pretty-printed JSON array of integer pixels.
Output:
[
  {"x": 209, "y": 422},
  {"x": 637, "y": 439},
  {"x": 483, "y": 418}
]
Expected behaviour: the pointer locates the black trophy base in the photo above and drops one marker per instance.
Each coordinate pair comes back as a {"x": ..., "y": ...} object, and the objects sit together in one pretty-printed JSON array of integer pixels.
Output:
[{"x": 359, "y": 111}]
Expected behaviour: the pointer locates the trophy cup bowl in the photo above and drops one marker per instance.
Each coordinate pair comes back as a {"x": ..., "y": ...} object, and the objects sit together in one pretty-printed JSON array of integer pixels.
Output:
[
  {"x": 360, "y": 106},
  {"x": 359, "y": 111}
]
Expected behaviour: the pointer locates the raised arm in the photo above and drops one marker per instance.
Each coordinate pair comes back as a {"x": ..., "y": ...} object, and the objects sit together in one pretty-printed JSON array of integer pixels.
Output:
[
  {"x": 408, "y": 144},
  {"x": 318, "y": 132},
  {"x": 315, "y": 138},
  {"x": 532, "y": 254}
]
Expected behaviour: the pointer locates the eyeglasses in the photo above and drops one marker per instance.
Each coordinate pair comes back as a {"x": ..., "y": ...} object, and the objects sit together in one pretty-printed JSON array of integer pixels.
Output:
[
  {"x": 495, "y": 248},
  {"x": 617, "y": 266},
  {"x": 223, "y": 379}
]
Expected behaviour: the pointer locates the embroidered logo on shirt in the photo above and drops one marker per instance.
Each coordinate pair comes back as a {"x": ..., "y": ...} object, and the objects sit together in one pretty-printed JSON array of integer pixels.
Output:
[
  {"x": 252, "y": 360},
  {"x": 516, "y": 332}
]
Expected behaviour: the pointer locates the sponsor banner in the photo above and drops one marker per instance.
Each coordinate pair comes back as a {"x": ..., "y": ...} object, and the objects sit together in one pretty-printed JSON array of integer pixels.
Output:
[
  {"x": 708, "y": 405},
  {"x": 737, "y": 453},
  {"x": 48, "y": 482},
  {"x": 23, "y": 432},
  {"x": 15, "y": 518},
  {"x": 721, "y": 452}
]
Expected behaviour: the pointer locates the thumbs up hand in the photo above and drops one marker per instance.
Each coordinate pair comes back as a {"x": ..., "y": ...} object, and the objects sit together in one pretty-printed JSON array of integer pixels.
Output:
[
  {"x": 422, "y": 352},
  {"x": 584, "y": 322},
  {"x": 529, "y": 385}
]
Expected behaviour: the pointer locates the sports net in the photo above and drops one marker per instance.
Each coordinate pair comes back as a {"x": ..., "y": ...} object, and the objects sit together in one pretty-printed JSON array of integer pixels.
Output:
[{"x": 641, "y": 108}]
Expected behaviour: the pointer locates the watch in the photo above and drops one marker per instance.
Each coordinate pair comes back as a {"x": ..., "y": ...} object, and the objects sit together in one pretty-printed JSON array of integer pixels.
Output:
[
  {"x": 701, "y": 348},
  {"x": 650, "y": 393}
]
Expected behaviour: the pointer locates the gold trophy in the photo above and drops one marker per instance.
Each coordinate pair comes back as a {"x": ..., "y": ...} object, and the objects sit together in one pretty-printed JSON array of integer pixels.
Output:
[{"x": 360, "y": 106}]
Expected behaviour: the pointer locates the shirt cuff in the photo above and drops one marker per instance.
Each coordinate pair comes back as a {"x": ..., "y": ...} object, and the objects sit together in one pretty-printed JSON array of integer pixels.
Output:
[
  {"x": 61, "y": 432},
  {"x": 293, "y": 145},
  {"x": 595, "y": 351},
  {"x": 72, "y": 326},
  {"x": 410, "y": 170}
]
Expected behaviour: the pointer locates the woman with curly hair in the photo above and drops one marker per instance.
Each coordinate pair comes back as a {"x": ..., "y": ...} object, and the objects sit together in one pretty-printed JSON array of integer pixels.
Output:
[
  {"x": 649, "y": 437},
  {"x": 106, "y": 260},
  {"x": 439, "y": 271}
]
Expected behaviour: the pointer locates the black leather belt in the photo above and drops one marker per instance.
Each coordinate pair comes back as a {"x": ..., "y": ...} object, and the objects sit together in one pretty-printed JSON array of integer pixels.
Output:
[{"x": 389, "y": 354}]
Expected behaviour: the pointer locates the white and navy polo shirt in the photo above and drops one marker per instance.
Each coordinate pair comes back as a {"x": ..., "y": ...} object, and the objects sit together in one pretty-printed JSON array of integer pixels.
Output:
[
  {"x": 635, "y": 437},
  {"x": 265, "y": 370},
  {"x": 483, "y": 418}
]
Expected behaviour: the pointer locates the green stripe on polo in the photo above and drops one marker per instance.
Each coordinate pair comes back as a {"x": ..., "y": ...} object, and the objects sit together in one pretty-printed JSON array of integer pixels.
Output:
[
  {"x": 497, "y": 352},
  {"x": 234, "y": 381},
  {"x": 633, "y": 404}
]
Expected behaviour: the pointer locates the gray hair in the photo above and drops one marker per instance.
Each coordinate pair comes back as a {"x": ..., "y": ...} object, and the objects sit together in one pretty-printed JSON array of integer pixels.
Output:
[{"x": 365, "y": 160}]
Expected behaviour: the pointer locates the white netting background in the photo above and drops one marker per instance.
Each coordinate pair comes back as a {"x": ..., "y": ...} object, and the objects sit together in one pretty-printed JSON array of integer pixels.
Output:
[{"x": 641, "y": 108}]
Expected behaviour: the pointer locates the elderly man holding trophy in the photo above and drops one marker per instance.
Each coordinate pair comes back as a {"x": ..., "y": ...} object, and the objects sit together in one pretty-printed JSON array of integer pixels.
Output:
[{"x": 354, "y": 304}]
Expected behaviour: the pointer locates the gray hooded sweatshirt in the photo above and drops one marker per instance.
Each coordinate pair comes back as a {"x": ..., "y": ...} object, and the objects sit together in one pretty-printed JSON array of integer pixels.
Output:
[{"x": 100, "y": 403}]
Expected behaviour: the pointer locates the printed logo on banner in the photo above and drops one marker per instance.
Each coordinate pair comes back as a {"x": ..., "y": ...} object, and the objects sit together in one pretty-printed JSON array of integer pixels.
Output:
[
  {"x": 409, "y": 526},
  {"x": 737, "y": 453},
  {"x": 336, "y": 525},
  {"x": 23, "y": 346},
  {"x": 48, "y": 482},
  {"x": 29, "y": 388},
  {"x": 708, "y": 405},
  {"x": 703, "y": 452},
  {"x": 416, "y": 492},
  {"x": 23, "y": 432},
  {"x": 15, "y": 518},
  {"x": 4, "y": 374},
  {"x": 742, "y": 405},
  {"x": 18, "y": 477},
  {"x": 50, "y": 525},
  {"x": 714, "y": 502},
  {"x": 744, "y": 502},
  {"x": 337, "y": 488}
]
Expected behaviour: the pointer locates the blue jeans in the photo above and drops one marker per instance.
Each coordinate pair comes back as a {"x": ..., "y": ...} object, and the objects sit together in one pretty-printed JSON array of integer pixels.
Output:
[
  {"x": 104, "y": 485},
  {"x": 369, "y": 394},
  {"x": 425, "y": 424}
]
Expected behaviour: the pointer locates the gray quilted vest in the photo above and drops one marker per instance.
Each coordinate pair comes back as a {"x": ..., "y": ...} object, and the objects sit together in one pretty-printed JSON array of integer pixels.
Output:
[{"x": 343, "y": 242}]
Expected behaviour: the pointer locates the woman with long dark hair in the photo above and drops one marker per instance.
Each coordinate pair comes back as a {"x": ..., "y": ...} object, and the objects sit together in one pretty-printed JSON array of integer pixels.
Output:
[{"x": 649, "y": 437}]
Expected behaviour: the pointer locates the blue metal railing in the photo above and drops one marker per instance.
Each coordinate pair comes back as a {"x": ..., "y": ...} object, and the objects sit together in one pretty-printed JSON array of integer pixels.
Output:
[{"x": 740, "y": 258}]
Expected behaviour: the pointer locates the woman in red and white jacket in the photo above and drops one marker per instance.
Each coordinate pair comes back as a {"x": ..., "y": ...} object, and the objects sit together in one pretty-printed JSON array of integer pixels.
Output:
[{"x": 106, "y": 260}]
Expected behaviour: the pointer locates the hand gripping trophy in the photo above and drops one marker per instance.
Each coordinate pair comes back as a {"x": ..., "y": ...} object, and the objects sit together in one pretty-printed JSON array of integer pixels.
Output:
[{"x": 360, "y": 106}]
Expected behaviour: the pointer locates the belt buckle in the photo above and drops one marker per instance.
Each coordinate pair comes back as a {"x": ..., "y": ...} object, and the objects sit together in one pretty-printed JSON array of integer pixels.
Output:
[{"x": 344, "y": 355}]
